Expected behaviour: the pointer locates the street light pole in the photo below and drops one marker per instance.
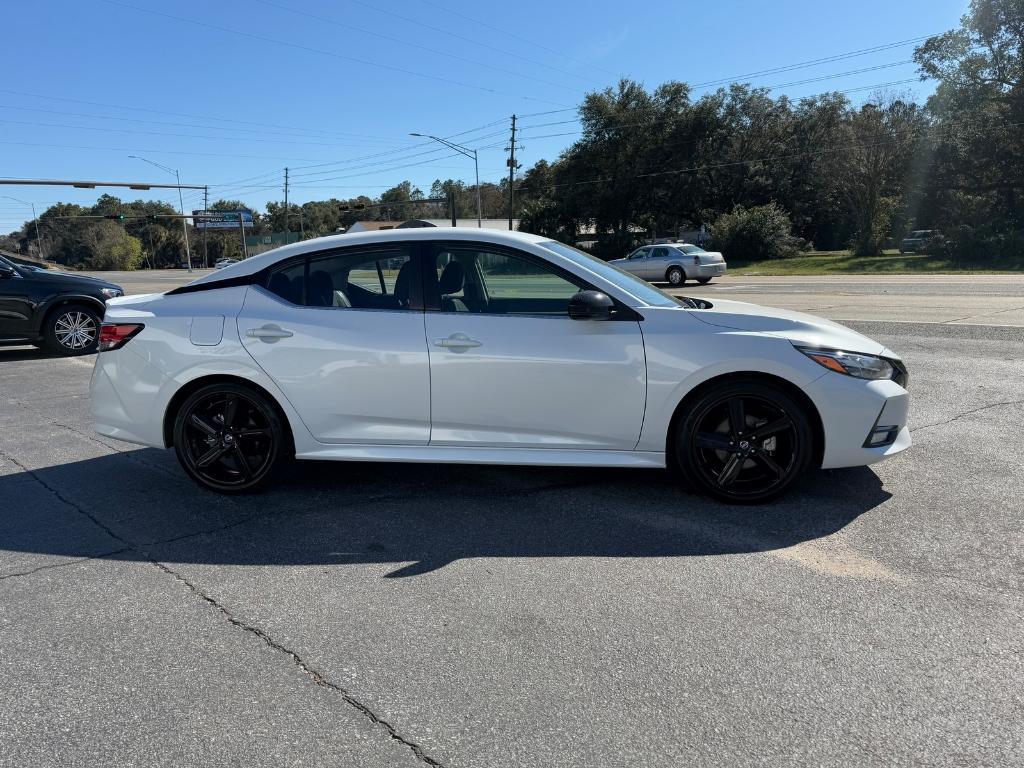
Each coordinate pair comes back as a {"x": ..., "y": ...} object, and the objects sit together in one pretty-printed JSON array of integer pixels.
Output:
[
  {"x": 181, "y": 204},
  {"x": 35, "y": 221},
  {"x": 476, "y": 165}
]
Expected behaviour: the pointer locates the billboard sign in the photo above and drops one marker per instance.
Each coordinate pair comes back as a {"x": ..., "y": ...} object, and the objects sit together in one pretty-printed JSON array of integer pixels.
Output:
[{"x": 221, "y": 219}]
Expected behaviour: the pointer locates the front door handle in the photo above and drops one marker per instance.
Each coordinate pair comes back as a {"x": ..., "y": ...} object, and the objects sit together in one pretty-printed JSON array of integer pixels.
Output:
[
  {"x": 457, "y": 342},
  {"x": 270, "y": 333}
]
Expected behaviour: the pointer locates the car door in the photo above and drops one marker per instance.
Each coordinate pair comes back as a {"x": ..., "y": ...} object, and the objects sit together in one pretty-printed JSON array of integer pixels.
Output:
[
  {"x": 341, "y": 333},
  {"x": 657, "y": 264},
  {"x": 16, "y": 302},
  {"x": 510, "y": 368},
  {"x": 637, "y": 261}
]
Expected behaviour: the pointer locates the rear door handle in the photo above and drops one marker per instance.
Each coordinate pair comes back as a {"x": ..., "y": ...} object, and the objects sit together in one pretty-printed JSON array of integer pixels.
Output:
[
  {"x": 269, "y": 333},
  {"x": 457, "y": 342}
]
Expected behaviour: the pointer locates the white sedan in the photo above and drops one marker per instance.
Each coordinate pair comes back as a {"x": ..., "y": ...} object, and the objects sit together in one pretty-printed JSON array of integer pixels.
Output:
[
  {"x": 486, "y": 347},
  {"x": 673, "y": 263}
]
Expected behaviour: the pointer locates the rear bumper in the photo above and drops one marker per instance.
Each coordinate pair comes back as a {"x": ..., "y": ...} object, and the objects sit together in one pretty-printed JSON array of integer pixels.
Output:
[
  {"x": 851, "y": 410},
  {"x": 705, "y": 270},
  {"x": 125, "y": 392}
]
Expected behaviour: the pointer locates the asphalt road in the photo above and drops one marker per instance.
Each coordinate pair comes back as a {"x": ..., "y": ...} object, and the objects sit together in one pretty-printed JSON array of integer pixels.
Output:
[{"x": 375, "y": 614}]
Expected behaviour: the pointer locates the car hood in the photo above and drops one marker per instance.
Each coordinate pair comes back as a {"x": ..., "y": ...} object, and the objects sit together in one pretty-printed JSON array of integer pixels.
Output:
[
  {"x": 72, "y": 280},
  {"x": 794, "y": 326}
]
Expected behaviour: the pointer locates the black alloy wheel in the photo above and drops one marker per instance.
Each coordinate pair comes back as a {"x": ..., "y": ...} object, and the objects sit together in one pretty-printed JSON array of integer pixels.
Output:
[
  {"x": 675, "y": 276},
  {"x": 229, "y": 438},
  {"x": 744, "y": 442},
  {"x": 73, "y": 330}
]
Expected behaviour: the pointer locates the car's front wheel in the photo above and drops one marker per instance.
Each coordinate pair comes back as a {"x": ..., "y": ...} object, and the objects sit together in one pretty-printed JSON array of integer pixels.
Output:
[
  {"x": 73, "y": 329},
  {"x": 745, "y": 442},
  {"x": 675, "y": 276},
  {"x": 229, "y": 438}
]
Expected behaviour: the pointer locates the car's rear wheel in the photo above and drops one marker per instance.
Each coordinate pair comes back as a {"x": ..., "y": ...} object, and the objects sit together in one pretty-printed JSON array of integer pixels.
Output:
[
  {"x": 73, "y": 329},
  {"x": 229, "y": 438},
  {"x": 703, "y": 280},
  {"x": 675, "y": 276},
  {"x": 745, "y": 442}
]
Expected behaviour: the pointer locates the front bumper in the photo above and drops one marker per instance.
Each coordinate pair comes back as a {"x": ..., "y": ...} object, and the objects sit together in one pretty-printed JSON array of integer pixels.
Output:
[{"x": 851, "y": 411}]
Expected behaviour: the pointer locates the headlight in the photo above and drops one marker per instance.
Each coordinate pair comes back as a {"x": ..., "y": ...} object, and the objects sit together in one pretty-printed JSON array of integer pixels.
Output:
[
  {"x": 851, "y": 363},
  {"x": 111, "y": 293}
]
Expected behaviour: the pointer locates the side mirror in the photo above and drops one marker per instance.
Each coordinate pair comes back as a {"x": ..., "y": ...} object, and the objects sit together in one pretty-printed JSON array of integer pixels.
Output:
[
  {"x": 590, "y": 305},
  {"x": 6, "y": 273}
]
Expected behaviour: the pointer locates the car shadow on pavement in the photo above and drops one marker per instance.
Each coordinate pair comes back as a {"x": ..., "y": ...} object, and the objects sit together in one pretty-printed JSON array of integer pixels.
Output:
[
  {"x": 416, "y": 517},
  {"x": 12, "y": 353}
]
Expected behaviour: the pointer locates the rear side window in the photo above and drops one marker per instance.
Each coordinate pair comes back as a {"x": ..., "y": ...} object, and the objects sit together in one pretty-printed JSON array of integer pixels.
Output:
[{"x": 372, "y": 279}]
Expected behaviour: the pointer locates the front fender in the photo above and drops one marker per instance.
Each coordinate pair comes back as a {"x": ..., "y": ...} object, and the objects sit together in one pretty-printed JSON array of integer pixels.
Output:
[{"x": 58, "y": 300}]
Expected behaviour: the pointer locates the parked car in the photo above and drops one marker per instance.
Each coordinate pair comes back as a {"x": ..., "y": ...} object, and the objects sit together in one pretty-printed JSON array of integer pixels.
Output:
[
  {"x": 919, "y": 240},
  {"x": 487, "y": 347},
  {"x": 225, "y": 262},
  {"x": 673, "y": 263},
  {"x": 59, "y": 310}
]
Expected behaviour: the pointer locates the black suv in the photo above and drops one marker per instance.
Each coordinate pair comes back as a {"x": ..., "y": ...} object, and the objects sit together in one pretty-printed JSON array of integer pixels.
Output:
[{"x": 54, "y": 309}]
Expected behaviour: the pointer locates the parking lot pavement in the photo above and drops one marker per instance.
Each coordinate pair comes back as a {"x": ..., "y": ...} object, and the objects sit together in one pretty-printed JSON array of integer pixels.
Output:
[{"x": 375, "y": 614}]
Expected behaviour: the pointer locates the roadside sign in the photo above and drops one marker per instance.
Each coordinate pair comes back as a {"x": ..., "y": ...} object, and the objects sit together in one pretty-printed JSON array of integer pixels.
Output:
[{"x": 221, "y": 219}]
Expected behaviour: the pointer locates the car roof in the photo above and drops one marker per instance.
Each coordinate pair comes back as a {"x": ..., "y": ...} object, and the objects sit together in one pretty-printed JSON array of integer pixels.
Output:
[{"x": 254, "y": 264}]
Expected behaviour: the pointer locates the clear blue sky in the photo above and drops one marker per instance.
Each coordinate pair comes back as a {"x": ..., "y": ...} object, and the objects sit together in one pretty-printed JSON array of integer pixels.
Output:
[{"x": 257, "y": 85}]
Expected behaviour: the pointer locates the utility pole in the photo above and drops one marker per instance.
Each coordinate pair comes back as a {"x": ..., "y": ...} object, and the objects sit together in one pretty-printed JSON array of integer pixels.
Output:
[
  {"x": 512, "y": 175},
  {"x": 206, "y": 209},
  {"x": 286, "y": 229}
]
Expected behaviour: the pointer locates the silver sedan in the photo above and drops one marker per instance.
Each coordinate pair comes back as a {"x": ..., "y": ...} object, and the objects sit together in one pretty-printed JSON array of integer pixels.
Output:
[{"x": 673, "y": 263}]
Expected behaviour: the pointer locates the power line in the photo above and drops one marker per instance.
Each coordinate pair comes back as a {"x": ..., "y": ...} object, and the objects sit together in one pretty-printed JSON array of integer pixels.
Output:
[
  {"x": 352, "y": 137},
  {"x": 310, "y": 49},
  {"x": 814, "y": 62},
  {"x": 107, "y": 129},
  {"x": 518, "y": 56},
  {"x": 177, "y": 114},
  {"x": 456, "y": 57},
  {"x": 153, "y": 151},
  {"x": 520, "y": 38}
]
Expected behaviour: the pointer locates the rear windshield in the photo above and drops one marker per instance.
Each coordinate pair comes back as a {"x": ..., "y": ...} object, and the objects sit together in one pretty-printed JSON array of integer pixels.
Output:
[{"x": 641, "y": 289}]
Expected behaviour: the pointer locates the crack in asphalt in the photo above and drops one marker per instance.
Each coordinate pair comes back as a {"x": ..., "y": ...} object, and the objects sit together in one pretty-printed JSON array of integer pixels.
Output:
[
  {"x": 315, "y": 676},
  {"x": 966, "y": 413},
  {"x": 65, "y": 564}
]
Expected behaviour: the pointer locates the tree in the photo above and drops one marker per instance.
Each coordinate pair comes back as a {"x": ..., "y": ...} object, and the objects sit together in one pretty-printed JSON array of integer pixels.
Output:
[
  {"x": 977, "y": 173},
  {"x": 754, "y": 234},
  {"x": 110, "y": 247}
]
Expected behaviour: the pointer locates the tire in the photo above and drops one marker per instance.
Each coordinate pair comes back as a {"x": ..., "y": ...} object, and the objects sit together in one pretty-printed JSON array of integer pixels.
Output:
[
  {"x": 73, "y": 329},
  {"x": 230, "y": 438},
  {"x": 703, "y": 280},
  {"x": 675, "y": 276},
  {"x": 745, "y": 442}
]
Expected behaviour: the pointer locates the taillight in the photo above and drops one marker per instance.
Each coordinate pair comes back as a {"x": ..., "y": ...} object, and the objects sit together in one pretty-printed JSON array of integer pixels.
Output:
[{"x": 116, "y": 335}]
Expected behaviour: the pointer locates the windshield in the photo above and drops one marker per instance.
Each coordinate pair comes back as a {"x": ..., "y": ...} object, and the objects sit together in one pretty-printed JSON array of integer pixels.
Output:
[
  {"x": 691, "y": 249},
  {"x": 641, "y": 289}
]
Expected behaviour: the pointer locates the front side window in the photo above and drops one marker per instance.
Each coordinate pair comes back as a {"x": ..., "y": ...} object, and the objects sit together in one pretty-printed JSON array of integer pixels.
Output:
[
  {"x": 627, "y": 281},
  {"x": 496, "y": 282},
  {"x": 638, "y": 254},
  {"x": 377, "y": 279}
]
